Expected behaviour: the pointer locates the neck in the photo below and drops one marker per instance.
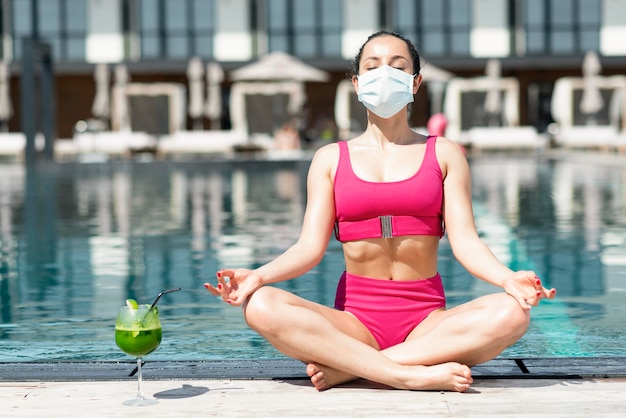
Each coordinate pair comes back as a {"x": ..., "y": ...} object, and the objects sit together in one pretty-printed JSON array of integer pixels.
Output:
[{"x": 394, "y": 130}]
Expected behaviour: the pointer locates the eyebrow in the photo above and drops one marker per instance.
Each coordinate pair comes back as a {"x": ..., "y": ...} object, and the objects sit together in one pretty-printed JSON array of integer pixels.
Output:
[{"x": 393, "y": 58}]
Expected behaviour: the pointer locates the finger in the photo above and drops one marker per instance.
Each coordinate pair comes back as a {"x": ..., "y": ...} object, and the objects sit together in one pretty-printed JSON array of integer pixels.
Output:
[
  {"x": 547, "y": 293},
  {"x": 522, "y": 302},
  {"x": 225, "y": 273},
  {"x": 219, "y": 291},
  {"x": 234, "y": 301},
  {"x": 221, "y": 281},
  {"x": 221, "y": 284},
  {"x": 214, "y": 291},
  {"x": 535, "y": 299}
]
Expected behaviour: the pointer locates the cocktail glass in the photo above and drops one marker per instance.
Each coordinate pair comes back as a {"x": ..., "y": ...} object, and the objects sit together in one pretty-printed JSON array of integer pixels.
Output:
[{"x": 138, "y": 333}]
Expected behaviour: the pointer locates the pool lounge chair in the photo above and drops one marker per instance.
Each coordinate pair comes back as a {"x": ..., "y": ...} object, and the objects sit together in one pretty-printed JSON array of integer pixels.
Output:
[
  {"x": 12, "y": 144},
  {"x": 200, "y": 142},
  {"x": 504, "y": 137},
  {"x": 604, "y": 130},
  {"x": 468, "y": 95},
  {"x": 109, "y": 143}
]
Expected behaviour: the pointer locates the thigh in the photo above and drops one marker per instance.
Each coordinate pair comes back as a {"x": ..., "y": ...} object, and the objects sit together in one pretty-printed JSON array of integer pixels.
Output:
[
  {"x": 471, "y": 333},
  {"x": 479, "y": 312},
  {"x": 276, "y": 299}
]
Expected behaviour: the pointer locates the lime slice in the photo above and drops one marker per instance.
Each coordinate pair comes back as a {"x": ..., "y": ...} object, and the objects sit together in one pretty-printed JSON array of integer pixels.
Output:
[{"x": 132, "y": 304}]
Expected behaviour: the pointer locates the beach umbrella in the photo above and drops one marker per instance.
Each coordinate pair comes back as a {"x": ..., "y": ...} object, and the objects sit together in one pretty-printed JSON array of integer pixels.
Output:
[
  {"x": 101, "y": 106},
  {"x": 436, "y": 78},
  {"x": 493, "y": 101},
  {"x": 274, "y": 76},
  {"x": 591, "y": 101},
  {"x": 214, "y": 78},
  {"x": 277, "y": 66},
  {"x": 432, "y": 73},
  {"x": 6, "y": 110},
  {"x": 119, "y": 89},
  {"x": 492, "y": 98},
  {"x": 195, "y": 75}
]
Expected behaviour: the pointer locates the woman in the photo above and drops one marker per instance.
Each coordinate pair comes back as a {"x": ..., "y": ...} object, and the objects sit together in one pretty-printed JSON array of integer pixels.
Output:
[{"x": 388, "y": 194}]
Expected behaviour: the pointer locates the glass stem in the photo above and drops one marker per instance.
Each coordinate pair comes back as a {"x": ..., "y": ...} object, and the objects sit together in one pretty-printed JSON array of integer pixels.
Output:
[{"x": 139, "y": 391}]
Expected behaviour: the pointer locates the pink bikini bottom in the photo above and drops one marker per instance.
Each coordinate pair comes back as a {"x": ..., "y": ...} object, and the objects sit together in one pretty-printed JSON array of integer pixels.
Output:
[{"x": 390, "y": 309}]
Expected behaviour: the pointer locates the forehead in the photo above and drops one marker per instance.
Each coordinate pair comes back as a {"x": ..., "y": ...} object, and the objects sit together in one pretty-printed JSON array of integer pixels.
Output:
[{"x": 386, "y": 46}]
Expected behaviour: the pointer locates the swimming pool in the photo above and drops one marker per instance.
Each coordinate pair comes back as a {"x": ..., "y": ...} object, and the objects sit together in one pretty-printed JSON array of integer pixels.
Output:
[{"x": 76, "y": 240}]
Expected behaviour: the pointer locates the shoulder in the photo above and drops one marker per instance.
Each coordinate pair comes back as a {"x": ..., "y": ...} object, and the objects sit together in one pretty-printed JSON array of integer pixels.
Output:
[
  {"x": 447, "y": 148},
  {"x": 446, "y": 145},
  {"x": 326, "y": 158},
  {"x": 327, "y": 152},
  {"x": 449, "y": 154}
]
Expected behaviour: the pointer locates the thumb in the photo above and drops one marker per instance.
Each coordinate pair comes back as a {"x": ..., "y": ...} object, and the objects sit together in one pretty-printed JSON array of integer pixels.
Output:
[{"x": 523, "y": 302}]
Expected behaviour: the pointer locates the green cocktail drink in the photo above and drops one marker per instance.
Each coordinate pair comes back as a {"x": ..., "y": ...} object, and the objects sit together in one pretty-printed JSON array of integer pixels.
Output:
[
  {"x": 138, "y": 333},
  {"x": 138, "y": 343}
]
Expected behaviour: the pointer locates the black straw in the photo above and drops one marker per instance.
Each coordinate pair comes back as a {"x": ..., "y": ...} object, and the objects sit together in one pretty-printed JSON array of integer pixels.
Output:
[{"x": 161, "y": 294}]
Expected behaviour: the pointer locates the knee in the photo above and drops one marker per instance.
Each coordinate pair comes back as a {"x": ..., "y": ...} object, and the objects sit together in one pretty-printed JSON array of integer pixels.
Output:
[
  {"x": 512, "y": 319},
  {"x": 508, "y": 321},
  {"x": 257, "y": 311}
]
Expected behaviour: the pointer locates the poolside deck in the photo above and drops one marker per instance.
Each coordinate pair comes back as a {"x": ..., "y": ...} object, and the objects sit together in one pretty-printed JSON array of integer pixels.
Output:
[{"x": 568, "y": 387}]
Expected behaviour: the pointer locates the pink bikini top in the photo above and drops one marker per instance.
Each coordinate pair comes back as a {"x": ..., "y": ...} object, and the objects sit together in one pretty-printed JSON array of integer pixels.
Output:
[{"x": 365, "y": 209}]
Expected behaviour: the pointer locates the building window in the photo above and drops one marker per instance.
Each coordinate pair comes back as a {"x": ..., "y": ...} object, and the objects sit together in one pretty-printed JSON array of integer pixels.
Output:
[
  {"x": 307, "y": 29},
  {"x": 331, "y": 23},
  {"x": 460, "y": 26},
  {"x": 562, "y": 27},
  {"x": 4, "y": 34},
  {"x": 203, "y": 29},
  {"x": 74, "y": 17},
  {"x": 61, "y": 23},
  {"x": 562, "y": 18},
  {"x": 175, "y": 29},
  {"x": 439, "y": 28},
  {"x": 589, "y": 21}
]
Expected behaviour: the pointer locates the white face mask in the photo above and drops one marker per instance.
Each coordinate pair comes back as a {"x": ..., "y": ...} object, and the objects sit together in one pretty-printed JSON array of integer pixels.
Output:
[{"x": 386, "y": 90}]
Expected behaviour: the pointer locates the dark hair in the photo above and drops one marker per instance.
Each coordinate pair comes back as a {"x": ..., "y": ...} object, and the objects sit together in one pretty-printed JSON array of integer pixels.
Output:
[{"x": 412, "y": 50}]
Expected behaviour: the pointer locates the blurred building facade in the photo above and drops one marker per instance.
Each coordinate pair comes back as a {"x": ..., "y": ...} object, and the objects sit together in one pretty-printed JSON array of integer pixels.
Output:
[{"x": 536, "y": 41}]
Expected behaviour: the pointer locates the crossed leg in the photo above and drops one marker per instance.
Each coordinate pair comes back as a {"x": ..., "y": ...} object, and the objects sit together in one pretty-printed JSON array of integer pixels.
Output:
[
  {"x": 470, "y": 334},
  {"x": 337, "y": 348}
]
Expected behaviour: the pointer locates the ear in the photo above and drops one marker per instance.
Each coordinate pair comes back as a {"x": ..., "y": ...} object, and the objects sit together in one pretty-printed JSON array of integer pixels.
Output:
[
  {"x": 417, "y": 82},
  {"x": 355, "y": 83}
]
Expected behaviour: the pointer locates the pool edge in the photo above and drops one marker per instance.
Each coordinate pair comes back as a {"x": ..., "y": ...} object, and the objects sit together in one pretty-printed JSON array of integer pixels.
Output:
[{"x": 288, "y": 369}]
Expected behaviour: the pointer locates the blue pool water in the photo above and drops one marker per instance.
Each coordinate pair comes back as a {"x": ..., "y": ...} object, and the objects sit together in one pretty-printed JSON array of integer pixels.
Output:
[{"x": 76, "y": 240}]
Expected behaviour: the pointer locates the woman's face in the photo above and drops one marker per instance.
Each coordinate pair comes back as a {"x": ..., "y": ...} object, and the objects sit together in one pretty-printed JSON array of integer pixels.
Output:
[{"x": 387, "y": 50}]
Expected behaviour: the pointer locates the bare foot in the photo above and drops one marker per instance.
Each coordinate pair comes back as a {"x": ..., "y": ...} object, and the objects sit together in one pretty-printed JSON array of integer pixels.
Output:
[
  {"x": 447, "y": 376},
  {"x": 324, "y": 378}
]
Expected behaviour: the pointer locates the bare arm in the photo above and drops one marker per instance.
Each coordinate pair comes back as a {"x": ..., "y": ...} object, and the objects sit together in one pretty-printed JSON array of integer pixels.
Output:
[
  {"x": 458, "y": 215},
  {"x": 466, "y": 245},
  {"x": 317, "y": 225},
  {"x": 306, "y": 253}
]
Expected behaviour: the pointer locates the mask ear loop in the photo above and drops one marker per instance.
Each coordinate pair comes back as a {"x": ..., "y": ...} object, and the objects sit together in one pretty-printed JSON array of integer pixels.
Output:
[{"x": 409, "y": 107}]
